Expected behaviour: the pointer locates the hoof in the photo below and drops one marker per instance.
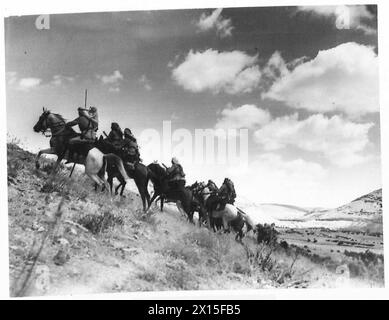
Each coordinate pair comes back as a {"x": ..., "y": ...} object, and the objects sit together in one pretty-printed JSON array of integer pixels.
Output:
[{"x": 37, "y": 165}]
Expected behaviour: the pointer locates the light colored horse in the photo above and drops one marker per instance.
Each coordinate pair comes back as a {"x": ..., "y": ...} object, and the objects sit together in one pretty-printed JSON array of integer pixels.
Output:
[
  {"x": 229, "y": 214},
  {"x": 96, "y": 166}
]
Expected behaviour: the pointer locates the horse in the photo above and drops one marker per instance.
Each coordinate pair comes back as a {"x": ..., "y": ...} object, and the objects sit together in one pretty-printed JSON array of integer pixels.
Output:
[
  {"x": 60, "y": 135},
  {"x": 184, "y": 198},
  {"x": 95, "y": 161},
  {"x": 230, "y": 216},
  {"x": 137, "y": 171}
]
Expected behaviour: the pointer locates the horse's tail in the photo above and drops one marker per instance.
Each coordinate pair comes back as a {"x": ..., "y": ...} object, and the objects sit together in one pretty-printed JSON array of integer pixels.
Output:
[{"x": 115, "y": 160}]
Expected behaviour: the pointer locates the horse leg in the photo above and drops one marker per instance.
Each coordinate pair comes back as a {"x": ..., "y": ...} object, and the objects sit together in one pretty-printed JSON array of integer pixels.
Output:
[
  {"x": 155, "y": 195},
  {"x": 60, "y": 158},
  {"x": 122, "y": 190},
  {"x": 161, "y": 198},
  {"x": 142, "y": 194},
  {"x": 117, "y": 188},
  {"x": 226, "y": 227}
]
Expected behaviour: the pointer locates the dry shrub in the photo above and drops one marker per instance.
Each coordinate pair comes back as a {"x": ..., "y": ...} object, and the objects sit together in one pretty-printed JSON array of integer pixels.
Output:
[
  {"x": 57, "y": 183},
  {"x": 266, "y": 234},
  {"x": 365, "y": 265},
  {"x": 100, "y": 223}
]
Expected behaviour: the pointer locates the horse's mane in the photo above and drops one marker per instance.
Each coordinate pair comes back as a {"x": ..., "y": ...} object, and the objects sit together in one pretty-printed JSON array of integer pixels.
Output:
[
  {"x": 59, "y": 117},
  {"x": 157, "y": 169}
]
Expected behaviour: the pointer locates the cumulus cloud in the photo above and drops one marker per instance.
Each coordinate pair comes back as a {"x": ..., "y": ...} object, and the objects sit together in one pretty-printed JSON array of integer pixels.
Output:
[
  {"x": 341, "y": 141},
  {"x": 113, "y": 78},
  {"x": 215, "y": 21},
  {"x": 344, "y": 78},
  {"x": 145, "y": 82},
  {"x": 22, "y": 84},
  {"x": 60, "y": 80},
  {"x": 29, "y": 83},
  {"x": 232, "y": 72},
  {"x": 246, "y": 116},
  {"x": 346, "y": 17}
]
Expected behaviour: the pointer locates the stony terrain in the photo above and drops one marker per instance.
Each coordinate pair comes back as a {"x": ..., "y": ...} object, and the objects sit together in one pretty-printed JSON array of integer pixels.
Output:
[{"x": 65, "y": 238}]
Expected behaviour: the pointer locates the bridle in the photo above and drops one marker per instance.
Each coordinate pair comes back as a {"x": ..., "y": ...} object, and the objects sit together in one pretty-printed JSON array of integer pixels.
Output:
[{"x": 45, "y": 127}]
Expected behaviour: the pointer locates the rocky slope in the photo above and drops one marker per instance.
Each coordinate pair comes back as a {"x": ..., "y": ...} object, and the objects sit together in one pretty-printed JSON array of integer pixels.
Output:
[{"x": 64, "y": 238}]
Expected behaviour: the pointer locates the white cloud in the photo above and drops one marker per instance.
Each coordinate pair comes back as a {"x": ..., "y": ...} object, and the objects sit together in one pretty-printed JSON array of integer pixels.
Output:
[
  {"x": 352, "y": 16},
  {"x": 145, "y": 82},
  {"x": 59, "y": 80},
  {"x": 341, "y": 141},
  {"x": 232, "y": 72},
  {"x": 344, "y": 78},
  {"x": 215, "y": 21},
  {"x": 113, "y": 78},
  {"x": 27, "y": 84},
  {"x": 22, "y": 84},
  {"x": 245, "y": 116},
  {"x": 276, "y": 66}
]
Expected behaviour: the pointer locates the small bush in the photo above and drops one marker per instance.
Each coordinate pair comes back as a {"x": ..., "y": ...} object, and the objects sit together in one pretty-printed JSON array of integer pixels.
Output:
[
  {"x": 57, "y": 183},
  {"x": 366, "y": 265},
  {"x": 99, "y": 223},
  {"x": 266, "y": 234},
  {"x": 14, "y": 166}
]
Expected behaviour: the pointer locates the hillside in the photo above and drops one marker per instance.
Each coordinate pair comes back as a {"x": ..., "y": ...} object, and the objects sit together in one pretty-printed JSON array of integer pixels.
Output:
[
  {"x": 362, "y": 213},
  {"x": 65, "y": 238}
]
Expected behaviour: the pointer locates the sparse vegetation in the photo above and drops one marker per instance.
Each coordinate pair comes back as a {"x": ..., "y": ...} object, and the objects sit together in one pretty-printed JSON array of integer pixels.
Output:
[{"x": 113, "y": 246}]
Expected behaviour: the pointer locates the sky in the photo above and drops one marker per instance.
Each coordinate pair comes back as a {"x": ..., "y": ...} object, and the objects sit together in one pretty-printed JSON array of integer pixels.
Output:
[{"x": 303, "y": 82}]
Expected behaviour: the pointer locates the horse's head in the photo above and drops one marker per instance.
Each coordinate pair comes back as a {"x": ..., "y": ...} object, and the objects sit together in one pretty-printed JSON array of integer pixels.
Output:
[
  {"x": 42, "y": 124},
  {"x": 157, "y": 170}
]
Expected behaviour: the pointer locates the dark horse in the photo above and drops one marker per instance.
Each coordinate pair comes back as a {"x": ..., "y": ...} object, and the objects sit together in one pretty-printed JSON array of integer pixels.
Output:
[
  {"x": 60, "y": 135},
  {"x": 137, "y": 171},
  {"x": 94, "y": 160},
  {"x": 184, "y": 199}
]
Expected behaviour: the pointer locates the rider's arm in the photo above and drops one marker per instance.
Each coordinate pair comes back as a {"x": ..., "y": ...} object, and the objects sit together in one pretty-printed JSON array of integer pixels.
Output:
[{"x": 72, "y": 123}]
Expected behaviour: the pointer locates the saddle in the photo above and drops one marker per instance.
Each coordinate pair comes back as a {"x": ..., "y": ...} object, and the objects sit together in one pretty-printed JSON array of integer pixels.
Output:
[{"x": 79, "y": 151}]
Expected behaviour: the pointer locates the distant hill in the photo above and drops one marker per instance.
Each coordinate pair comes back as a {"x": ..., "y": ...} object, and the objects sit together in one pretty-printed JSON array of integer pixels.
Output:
[
  {"x": 362, "y": 213},
  {"x": 365, "y": 211}
]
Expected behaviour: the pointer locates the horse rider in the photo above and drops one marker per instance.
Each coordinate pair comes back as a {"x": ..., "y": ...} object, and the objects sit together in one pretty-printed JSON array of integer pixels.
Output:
[
  {"x": 88, "y": 123},
  {"x": 176, "y": 176},
  {"x": 129, "y": 136},
  {"x": 115, "y": 137},
  {"x": 227, "y": 192},
  {"x": 212, "y": 186},
  {"x": 130, "y": 142}
]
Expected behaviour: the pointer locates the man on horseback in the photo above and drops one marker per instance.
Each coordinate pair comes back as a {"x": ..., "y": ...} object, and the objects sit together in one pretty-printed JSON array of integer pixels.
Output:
[
  {"x": 176, "y": 176},
  {"x": 226, "y": 194},
  {"x": 115, "y": 137},
  {"x": 131, "y": 145},
  {"x": 87, "y": 122},
  {"x": 227, "y": 191},
  {"x": 212, "y": 186}
]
